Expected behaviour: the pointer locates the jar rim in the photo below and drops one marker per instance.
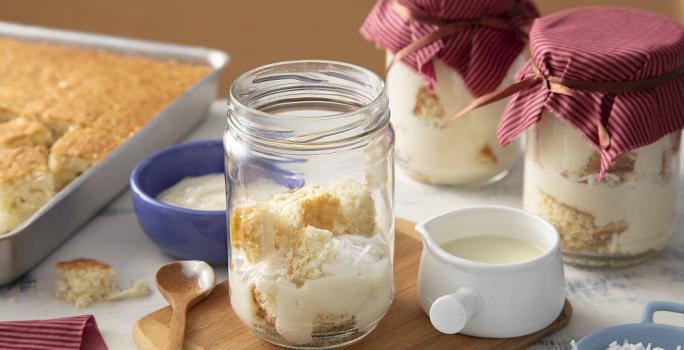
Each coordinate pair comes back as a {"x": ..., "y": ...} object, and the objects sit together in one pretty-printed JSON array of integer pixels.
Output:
[
  {"x": 313, "y": 81},
  {"x": 235, "y": 99}
]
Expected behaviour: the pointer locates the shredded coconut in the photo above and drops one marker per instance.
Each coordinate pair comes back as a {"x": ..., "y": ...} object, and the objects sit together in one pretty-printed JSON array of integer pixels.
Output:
[{"x": 627, "y": 346}]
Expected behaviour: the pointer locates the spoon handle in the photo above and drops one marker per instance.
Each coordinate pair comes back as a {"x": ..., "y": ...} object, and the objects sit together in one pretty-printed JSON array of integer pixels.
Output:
[{"x": 177, "y": 328}]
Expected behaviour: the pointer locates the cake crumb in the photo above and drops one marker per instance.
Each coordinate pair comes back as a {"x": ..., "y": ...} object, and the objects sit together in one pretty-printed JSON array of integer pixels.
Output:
[
  {"x": 621, "y": 171},
  {"x": 140, "y": 288},
  {"x": 667, "y": 159},
  {"x": 486, "y": 156},
  {"x": 266, "y": 307},
  {"x": 577, "y": 228},
  {"x": 417, "y": 175},
  {"x": 12, "y": 300},
  {"x": 428, "y": 105},
  {"x": 82, "y": 282}
]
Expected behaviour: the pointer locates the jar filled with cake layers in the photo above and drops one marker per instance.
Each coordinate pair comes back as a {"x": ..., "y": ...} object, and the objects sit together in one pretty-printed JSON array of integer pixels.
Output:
[
  {"x": 439, "y": 59},
  {"x": 619, "y": 220},
  {"x": 309, "y": 177},
  {"x": 602, "y": 100}
]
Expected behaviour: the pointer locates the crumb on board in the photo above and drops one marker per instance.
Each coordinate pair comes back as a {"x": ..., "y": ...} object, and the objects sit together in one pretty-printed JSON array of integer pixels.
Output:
[{"x": 82, "y": 282}]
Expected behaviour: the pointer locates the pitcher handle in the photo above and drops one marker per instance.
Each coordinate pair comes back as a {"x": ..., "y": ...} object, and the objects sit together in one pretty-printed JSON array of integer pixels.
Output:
[{"x": 450, "y": 313}]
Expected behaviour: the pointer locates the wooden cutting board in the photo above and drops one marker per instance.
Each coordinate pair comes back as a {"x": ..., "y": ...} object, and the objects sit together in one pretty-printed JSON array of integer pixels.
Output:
[{"x": 213, "y": 325}]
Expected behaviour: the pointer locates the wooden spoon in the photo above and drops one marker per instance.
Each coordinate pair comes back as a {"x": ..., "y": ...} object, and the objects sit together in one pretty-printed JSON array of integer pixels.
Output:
[{"x": 183, "y": 284}]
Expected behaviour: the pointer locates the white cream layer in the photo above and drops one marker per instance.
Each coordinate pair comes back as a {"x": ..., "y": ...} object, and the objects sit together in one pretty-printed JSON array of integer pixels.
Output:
[
  {"x": 357, "y": 282},
  {"x": 646, "y": 202}
]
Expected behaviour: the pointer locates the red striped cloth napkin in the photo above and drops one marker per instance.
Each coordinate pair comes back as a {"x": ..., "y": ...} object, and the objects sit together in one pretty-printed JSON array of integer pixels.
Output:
[{"x": 68, "y": 333}]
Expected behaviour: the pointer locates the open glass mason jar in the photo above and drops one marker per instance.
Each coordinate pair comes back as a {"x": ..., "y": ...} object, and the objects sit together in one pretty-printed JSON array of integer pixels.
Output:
[{"x": 310, "y": 183}]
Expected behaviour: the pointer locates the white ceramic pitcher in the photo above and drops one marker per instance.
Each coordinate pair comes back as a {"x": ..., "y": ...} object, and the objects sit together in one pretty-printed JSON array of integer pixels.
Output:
[{"x": 490, "y": 300}]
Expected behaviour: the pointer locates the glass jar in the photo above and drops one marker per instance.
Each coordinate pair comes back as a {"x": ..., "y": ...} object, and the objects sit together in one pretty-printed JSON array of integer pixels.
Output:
[
  {"x": 310, "y": 182},
  {"x": 617, "y": 221},
  {"x": 466, "y": 151}
]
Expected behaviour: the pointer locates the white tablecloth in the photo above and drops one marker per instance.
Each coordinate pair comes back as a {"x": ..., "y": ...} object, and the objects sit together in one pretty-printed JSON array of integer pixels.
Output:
[{"x": 600, "y": 297}]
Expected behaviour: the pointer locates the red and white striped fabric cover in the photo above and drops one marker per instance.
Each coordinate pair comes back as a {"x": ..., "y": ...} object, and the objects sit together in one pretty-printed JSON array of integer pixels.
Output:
[
  {"x": 603, "y": 44},
  {"x": 482, "y": 55},
  {"x": 69, "y": 333}
]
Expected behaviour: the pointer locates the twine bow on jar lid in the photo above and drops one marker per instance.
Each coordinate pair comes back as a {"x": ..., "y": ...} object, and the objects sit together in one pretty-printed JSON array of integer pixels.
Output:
[
  {"x": 572, "y": 88},
  {"x": 614, "y": 74}
]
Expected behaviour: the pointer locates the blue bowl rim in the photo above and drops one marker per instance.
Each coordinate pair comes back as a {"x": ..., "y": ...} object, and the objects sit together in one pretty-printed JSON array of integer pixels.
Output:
[
  {"x": 646, "y": 322},
  {"x": 587, "y": 340},
  {"x": 135, "y": 176}
]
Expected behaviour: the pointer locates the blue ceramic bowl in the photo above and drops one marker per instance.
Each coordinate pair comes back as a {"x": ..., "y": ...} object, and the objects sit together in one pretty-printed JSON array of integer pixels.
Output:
[
  {"x": 184, "y": 233},
  {"x": 665, "y": 336}
]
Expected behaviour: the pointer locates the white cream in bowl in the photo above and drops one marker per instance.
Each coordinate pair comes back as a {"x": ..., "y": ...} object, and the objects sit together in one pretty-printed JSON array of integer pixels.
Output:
[{"x": 207, "y": 192}]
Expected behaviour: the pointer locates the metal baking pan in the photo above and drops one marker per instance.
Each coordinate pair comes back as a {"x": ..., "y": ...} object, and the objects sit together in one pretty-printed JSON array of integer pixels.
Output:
[{"x": 57, "y": 220}]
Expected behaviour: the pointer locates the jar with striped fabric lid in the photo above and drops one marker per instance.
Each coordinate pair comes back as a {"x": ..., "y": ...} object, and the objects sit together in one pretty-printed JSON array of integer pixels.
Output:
[
  {"x": 440, "y": 56},
  {"x": 602, "y": 100}
]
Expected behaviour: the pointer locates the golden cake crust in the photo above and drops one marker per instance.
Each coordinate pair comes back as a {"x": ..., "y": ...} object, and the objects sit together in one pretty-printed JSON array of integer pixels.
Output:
[
  {"x": 86, "y": 143},
  {"x": 64, "y": 86},
  {"x": 23, "y": 132},
  {"x": 82, "y": 264},
  {"x": 22, "y": 161}
]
